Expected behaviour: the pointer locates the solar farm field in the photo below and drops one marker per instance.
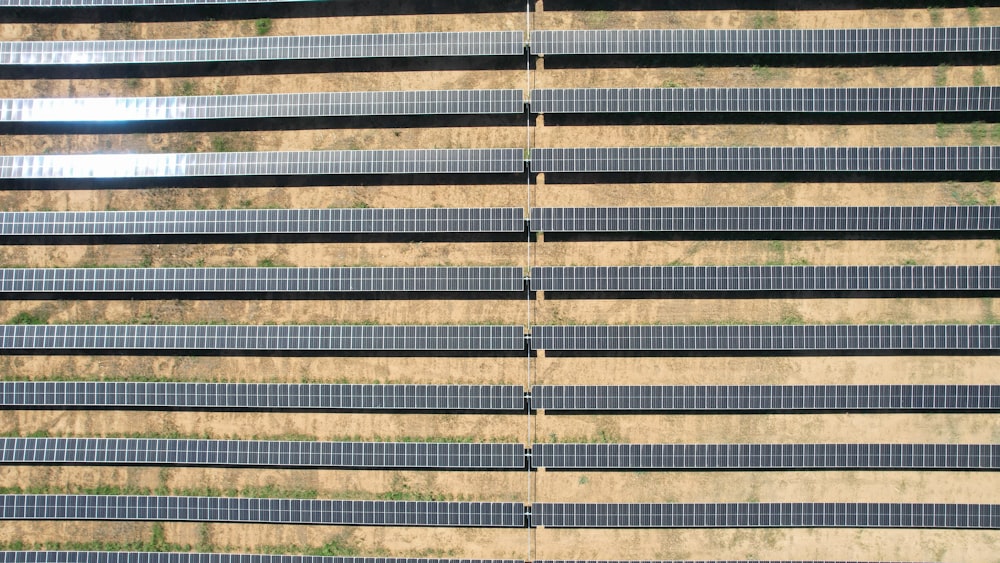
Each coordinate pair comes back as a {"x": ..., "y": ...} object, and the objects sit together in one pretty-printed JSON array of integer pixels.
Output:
[{"x": 498, "y": 282}]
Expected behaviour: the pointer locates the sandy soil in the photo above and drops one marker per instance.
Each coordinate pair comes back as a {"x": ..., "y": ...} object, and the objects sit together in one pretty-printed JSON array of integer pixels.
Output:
[
  {"x": 839, "y": 370},
  {"x": 283, "y": 538},
  {"x": 498, "y": 195},
  {"x": 301, "y": 255},
  {"x": 760, "y": 77},
  {"x": 445, "y": 79},
  {"x": 752, "y": 135},
  {"x": 750, "y": 19},
  {"x": 438, "y": 370},
  {"x": 770, "y": 544},
  {"x": 769, "y": 311},
  {"x": 266, "y": 311},
  {"x": 271, "y": 425},
  {"x": 780, "y": 428},
  {"x": 308, "y": 139},
  {"x": 757, "y": 193},
  {"x": 305, "y": 483},
  {"x": 701, "y": 253},
  {"x": 764, "y": 486}
]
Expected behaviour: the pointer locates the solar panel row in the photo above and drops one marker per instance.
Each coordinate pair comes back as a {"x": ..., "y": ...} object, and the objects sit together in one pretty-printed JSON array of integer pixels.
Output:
[
  {"x": 53, "y": 556},
  {"x": 152, "y": 280},
  {"x": 771, "y": 219},
  {"x": 765, "y": 398},
  {"x": 333, "y": 396},
  {"x": 317, "y": 104},
  {"x": 766, "y": 515},
  {"x": 261, "y": 221},
  {"x": 160, "y": 51},
  {"x": 765, "y": 100},
  {"x": 494, "y": 43},
  {"x": 765, "y": 456},
  {"x": 103, "y": 3},
  {"x": 474, "y": 514},
  {"x": 764, "y": 41},
  {"x": 506, "y": 337},
  {"x": 765, "y": 337},
  {"x": 254, "y": 453},
  {"x": 757, "y": 159},
  {"x": 390, "y": 455},
  {"x": 764, "y": 278},
  {"x": 500, "y": 220},
  {"x": 509, "y": 161},
  {"x": 451, "y": 102},
  {"x": 262, "y": 510},
  {"x": 510, "y": 279},
  {"x": 270, "y": 163},
  {"x": 260, "y": 337},
  {"x": 500, "y": 398}
]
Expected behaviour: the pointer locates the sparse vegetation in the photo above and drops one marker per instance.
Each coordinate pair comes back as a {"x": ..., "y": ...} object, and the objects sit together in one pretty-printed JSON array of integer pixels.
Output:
[
  {"x": 263, "y": 26},
  {"x": 944, "y": 130},
  {"x": 975, "y": 16},
  {"x": 764, "y": 20},
  {"x": 28, "y": 318},
  {"x": 977, "y": 133},
  {"x": 941, "y": 75},
  {"x": 978, "y": 76},
  {"x": 936, "y": 16},
  {"x": 186, "y": 88}
]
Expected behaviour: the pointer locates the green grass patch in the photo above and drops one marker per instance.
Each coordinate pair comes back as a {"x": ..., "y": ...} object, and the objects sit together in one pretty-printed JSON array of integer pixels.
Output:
[
  {"x": 764, "y": 20},
  {"x": 936, "y": 16},
  {"x": 28, "y": 318},
  {"x": 978, "y": 76},
  {"x": 944, "y": 130},
  {"x": 941, "y": 74},
  {"x": 186, "y": 88},
  {"x": 263, "y": 26},
  {"x": 978, "y": 132},
  {"x": 975, "y": 16}
]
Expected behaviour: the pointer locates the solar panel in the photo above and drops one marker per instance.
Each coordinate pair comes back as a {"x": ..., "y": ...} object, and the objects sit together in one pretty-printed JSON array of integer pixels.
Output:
[
  {"x": 766, "y": 515},
  {"x": 260, "y": 280},
  {"x": 765, "y": 278},
  {"x": 262, "y": 510},
  {"x": 256, "y": 106},
  {"x": 770, "y": 219},
  {"x": 168, "y": 557},
  {"x": 765, "y": 398},
  {"x": 261, "y": 453},
  {"x": 756, "y": 457},
  {"x": 263, "y": 221},
  {"x": 271, "y": 163},
  {"x": 261, "y": 337},
  {"x": 765, "y": 100},
  {"x": 261, "y": 396},
  {"x": 765, "y": 41},
  {"x": 121, "y": 3},
  {"x": 766, "y": 337},
  {"x": 216, "y": 49},
  {"x": 763, "y": 159}
]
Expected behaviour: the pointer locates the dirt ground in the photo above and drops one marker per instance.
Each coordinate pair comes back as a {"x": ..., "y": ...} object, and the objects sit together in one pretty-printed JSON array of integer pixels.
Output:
[
  {"x": 763, "y": 19},
  {"x": 818, "y": 544},
  {"x": 795, "y": 370},
  {"x": 269, "y": 425},
  {"x": 760, "y": 193},
  {"x": 264, "y": 369},
  {"x": 507, "y": 486}
]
